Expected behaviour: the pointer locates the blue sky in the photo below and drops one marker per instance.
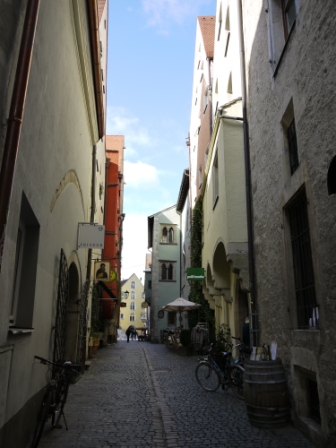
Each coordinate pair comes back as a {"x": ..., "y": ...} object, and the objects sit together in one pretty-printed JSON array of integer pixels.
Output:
[{"x": 151, "y": 48}]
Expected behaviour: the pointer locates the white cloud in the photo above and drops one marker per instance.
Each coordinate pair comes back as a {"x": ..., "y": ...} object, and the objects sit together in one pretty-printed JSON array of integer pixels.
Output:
[
  {"x": 134, "y": 245},
  {"x": 140, "y": 174},
  {"x": 162, "y": 11},
  {"x": 121, "y": 122}
]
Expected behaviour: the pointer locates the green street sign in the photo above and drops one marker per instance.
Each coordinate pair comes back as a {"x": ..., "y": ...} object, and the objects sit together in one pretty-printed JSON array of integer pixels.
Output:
[{"x": 195, "y": 274}]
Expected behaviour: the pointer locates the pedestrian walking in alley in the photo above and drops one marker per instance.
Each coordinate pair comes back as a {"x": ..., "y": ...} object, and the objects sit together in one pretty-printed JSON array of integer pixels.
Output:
[{"x": 128, "y": 333}]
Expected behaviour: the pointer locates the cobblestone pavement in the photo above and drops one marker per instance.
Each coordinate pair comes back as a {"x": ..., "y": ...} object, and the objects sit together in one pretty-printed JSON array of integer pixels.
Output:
[{"x": 141, "y": 395}]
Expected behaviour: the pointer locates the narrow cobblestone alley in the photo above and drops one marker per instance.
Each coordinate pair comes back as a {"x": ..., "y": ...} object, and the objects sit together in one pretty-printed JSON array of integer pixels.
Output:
[{"x": 140, "y": 395}]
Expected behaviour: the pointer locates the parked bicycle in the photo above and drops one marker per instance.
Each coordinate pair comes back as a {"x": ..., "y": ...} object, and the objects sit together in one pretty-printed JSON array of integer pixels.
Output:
[
  {"x": 54, "y": 399},
  {"x": 216, "y": 370},
  {"x": 244, "y": 351}
]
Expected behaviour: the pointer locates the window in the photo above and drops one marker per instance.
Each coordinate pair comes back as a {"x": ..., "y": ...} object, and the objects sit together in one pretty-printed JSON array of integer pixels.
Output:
[
  {"x": 215, "y": 180},
  {"x": 302, "y": 260},
  {"x": 133, "y": 295},
  {"x": 121, "y": 315},
  {"x": 132, "y": 317},
  {"x": 133, "y": 285},
  {"x": 167, "y": 271},
  {"x": 219, "y": 22},
  {"x": 227, "y": 31},
  {"x": 25, "y": 268},
  {"x": 289, "y": 15},
  {"x": 292, "y": 147},
  {"x": 149, "y": 284},
  {"x": 290, "y": 140},
  {"x": 229, "y": 85},
  {"x": 281, "y": 19},
  {"x": 205, "y": 99},
  {"x": 132, "y": 306},
  {"x": 200, "y": 177},
  {"x": 167, "y": 234}
]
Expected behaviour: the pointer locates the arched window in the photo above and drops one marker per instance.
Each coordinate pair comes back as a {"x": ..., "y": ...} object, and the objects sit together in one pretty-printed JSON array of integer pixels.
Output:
[
  {"x": 171, "y": 235},
  {"x": 163, "y": 271},
  {"x": 133, "y": 285},
  {"x": 164, "y": 234},
  {"x": 170, "y": 272},
  {"x": 132, "y": 295},
  {"x": 132, "y": 306},
  {"x": 132, "y": 317}
]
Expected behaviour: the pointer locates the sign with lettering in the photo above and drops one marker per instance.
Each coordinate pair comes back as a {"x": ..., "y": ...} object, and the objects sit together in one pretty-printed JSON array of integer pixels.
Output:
[
  {"x": 90, "y": 236},
  {"x": 195, "y": 274}
]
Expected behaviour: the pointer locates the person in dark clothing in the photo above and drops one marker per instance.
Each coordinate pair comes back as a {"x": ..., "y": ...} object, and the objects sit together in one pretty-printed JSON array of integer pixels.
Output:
[{"x": 128, "y": 332}]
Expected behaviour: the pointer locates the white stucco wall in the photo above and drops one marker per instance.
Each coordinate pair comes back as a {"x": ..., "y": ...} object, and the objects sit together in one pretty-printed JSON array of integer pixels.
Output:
[{"x": 53, "y": 170}]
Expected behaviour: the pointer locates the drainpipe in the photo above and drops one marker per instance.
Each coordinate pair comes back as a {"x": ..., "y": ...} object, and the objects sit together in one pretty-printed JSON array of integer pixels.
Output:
[
  {"x": 16, "y": 115},
  {"x": 95, "y": 47},
  {"x": 254, "y": 323}
]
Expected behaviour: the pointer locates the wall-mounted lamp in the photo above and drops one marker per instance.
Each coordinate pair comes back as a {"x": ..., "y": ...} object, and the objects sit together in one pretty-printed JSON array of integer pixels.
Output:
[{"x": 125, "y": 294}]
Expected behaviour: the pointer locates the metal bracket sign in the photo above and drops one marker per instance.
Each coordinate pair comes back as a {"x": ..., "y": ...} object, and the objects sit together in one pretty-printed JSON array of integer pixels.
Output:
[
  {"x": 90, "y": 236},
  {"x": 195, "y": 274}
]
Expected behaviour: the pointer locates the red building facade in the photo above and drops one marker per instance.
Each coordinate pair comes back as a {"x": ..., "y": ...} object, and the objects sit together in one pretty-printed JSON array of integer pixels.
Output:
[{"x": 114, "y": 217}]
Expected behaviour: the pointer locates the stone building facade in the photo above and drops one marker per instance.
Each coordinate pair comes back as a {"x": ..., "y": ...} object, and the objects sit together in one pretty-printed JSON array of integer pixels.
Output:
[{"x": 290, "y": 73}]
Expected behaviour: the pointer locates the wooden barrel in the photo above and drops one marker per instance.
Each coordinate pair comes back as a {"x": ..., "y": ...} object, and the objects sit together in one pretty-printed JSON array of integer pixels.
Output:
[{"x": 266, "y": 394}]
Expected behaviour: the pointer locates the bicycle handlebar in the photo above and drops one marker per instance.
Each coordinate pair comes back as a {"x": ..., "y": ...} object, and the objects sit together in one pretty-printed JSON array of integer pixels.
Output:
[{"x": 68, "y": 364}]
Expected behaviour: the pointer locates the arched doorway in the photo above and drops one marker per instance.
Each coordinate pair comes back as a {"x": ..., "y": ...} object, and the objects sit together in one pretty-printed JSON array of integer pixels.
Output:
[{"x": 72, "y": 315}]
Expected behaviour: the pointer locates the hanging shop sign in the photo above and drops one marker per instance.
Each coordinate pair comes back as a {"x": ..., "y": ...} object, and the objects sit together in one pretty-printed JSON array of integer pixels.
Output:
[
  {"x": 160, "y": 314},
  {"x": 113, "y": 276},
  {"x": 90, "y": 236},
  {"x": 144, "y": 305},
  {"x": 102, "y": 269},
  {"x": 195, "y": 274}
]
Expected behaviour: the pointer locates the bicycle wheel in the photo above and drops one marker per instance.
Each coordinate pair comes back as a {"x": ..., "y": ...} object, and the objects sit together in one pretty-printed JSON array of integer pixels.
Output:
[
  {"x": 41, "y": 418},
  {"x": 60, "y": 403},
  {"x": 207, "y": 377},
  {"x": 237, "y": 380}
]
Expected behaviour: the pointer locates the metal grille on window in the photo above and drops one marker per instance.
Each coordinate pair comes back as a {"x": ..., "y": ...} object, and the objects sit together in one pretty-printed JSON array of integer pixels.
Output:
[
  {"x": 292, "y": 147},
  {"x": 302, "y": 260},
  {"x": 61, "y": 310},
  {"x": 82, "y": 330}
]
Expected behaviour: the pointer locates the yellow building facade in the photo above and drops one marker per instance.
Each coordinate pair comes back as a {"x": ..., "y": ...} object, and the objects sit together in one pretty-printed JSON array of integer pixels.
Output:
[{"x": 133, "y": 313}]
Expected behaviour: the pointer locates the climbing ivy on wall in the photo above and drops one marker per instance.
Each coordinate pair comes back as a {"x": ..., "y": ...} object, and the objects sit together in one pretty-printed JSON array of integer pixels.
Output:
[{"x": 204, "y": 313}]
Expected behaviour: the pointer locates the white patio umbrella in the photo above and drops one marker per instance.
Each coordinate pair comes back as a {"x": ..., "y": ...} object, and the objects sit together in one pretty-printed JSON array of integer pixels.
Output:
[{"x": 180, "y": 305}]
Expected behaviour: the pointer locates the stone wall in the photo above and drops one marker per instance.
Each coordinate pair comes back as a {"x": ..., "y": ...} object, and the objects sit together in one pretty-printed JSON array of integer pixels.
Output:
[{"x": 300, "y": 84}]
